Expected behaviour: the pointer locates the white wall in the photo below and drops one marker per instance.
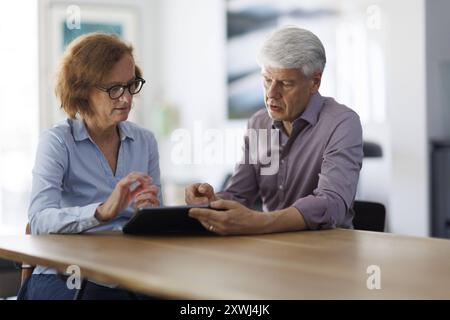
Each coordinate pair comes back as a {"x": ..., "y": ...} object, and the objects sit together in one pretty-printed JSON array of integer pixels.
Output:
[
  {"x": 406, "y": 96},
  {"x": 192, "y": 79},
  {"x": 18, "y": 110}
]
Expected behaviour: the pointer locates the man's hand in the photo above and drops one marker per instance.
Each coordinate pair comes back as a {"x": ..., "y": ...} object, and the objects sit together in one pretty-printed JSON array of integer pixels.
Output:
[
  {"x": 235, "y": 219},
  {"x": 238, "y": 219},
  {"x": 200, "y": 193}
]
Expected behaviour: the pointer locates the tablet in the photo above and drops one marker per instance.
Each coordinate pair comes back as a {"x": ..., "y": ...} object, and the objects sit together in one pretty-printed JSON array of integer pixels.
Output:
[{"x": 158, "y": 220}]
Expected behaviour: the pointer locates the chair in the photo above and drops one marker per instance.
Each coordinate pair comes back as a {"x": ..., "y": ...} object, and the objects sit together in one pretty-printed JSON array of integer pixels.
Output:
[
  {"x": 27, "y": 269},
  {"x": 372, "y": 150},
  {"x": 9, "y": 279},
  {"x": 369, "y": 216}
]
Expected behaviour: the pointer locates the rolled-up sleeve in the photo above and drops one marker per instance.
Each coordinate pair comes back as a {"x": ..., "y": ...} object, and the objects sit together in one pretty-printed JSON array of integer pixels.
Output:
[
  {"x": 329, "y": 204},
  {"x": 45, "y": 213}
]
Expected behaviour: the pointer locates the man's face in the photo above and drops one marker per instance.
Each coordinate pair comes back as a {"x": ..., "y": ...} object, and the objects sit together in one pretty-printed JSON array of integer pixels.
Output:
[{"x": 287, "y": 92}]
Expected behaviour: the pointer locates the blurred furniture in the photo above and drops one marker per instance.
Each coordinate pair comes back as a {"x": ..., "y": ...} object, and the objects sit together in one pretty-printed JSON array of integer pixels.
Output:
[
  {"x": 372, "y": 150},
  {"x": 369, "y": 216},
  {"x": 328, "y": 264},
  {"x": 9, "y": 279},
  {"x": 27, "y": 269},
  {"x": 440, "y": 188}
]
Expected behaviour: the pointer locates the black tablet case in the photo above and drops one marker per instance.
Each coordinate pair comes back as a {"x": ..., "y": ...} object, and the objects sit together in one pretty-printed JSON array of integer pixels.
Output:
[{"x": 160, "y": 220}]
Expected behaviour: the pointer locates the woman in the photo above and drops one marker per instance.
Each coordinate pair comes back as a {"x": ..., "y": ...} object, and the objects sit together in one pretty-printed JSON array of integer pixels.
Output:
[{"x": 93, "y": 169}]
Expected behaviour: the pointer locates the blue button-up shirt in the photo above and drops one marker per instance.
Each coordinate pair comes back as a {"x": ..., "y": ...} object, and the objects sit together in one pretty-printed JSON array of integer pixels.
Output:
[{"x": 71, "y": 177}]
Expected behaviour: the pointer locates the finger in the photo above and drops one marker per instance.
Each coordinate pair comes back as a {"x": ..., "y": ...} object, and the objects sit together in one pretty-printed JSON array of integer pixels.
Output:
[
  {"x": 138, "y": 175},
  {"x": 141, "y": 205},
  {"x": 150, "y": 190},
  {"x": 204, "y": 188},
  {"x": 134, "y": 181},
  {"x": 214, "y": 227},
  {"x": 205, "y": 224},
  {"x": 198, "y": 200},
  {"x": 153, "y": 189},
  {"x": 225, "y": 204},
  {"x": 146, "y": 203},
  {"x": 145, "y": 189},
  {"x": 189, "y": 193},
  {"x": 193, "y": 197},
  {"x": 207, "y": 214},
  {"x": 147, "y": 197}
]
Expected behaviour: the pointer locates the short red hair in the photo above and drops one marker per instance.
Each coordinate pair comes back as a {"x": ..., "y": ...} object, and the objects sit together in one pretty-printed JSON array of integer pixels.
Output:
[{"x": 86, "y": 62}]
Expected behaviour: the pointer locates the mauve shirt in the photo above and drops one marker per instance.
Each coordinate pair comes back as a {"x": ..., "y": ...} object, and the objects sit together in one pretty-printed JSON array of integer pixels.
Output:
[{"x": 318, "y": 169}]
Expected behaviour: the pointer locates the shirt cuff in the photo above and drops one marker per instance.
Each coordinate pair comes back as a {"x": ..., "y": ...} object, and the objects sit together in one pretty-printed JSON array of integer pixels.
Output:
[
  {"x": 87, "y": 218},
  {"x": 315, "y": 212}
]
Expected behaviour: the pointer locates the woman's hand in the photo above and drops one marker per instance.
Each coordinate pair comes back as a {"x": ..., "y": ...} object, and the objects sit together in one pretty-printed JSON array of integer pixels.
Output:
[
  {"x": 147, "y": 197},
  {"x": 125, "y": 191}
]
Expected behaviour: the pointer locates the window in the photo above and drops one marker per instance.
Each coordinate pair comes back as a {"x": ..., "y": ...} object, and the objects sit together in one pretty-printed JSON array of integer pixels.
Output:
[{"x": 18, "y": 110}]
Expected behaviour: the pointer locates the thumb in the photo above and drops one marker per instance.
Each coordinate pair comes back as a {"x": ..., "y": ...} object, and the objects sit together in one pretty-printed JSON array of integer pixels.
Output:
[{"x": 204, "y": 188}]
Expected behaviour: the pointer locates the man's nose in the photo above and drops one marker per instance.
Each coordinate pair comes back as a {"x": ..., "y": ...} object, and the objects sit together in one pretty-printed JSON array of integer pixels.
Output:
[{"x": 273, "y": 91}]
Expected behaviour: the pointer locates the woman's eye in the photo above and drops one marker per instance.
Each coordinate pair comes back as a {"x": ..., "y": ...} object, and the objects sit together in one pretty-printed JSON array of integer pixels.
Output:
[{"x": 116, "y": 89}]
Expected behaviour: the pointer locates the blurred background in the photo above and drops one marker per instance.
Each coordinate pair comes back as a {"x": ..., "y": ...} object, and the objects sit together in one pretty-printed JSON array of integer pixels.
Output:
[{"x": 387, "y": 60}]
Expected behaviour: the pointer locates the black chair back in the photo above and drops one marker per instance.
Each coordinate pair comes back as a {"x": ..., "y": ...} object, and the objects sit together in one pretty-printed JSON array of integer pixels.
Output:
[{"x": 369, "y": 216}]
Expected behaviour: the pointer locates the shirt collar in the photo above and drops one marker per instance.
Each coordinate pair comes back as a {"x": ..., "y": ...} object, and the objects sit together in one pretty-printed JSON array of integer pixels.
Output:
[
  {"x": 311, "y": 113},
  {"x": 125, "y": 131},
  {"x": 80, "y": 132}
]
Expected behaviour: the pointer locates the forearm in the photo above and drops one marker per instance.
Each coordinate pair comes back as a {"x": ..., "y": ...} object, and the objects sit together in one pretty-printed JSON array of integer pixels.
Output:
[
  {"x": 63, "y": 220},
  {"x": 289, "y": 219}
]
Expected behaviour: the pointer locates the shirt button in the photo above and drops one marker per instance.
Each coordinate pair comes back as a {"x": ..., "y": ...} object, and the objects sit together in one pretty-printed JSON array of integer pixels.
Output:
[
  {"x": 281, "y": 187},
  {"x": 282, "y": 161}
]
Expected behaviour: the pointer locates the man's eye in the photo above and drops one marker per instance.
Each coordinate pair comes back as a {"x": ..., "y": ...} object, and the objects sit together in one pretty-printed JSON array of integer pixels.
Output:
[{"x": 287, "y": 84}]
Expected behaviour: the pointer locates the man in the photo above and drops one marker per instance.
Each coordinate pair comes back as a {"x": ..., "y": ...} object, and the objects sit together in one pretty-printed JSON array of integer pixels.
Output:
[{"x": 320, "y": 152}]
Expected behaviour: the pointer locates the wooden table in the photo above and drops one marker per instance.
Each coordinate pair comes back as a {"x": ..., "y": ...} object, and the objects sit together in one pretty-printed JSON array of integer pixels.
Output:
[{"x": 328, "y": 264}]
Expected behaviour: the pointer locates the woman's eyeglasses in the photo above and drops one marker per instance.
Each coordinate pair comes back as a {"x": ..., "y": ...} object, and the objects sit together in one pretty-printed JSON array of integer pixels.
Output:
[{"x": 116, "y": 91}]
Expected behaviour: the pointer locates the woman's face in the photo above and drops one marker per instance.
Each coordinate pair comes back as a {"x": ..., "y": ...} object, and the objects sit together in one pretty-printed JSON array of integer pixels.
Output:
[{"x": 106, "y": 111}]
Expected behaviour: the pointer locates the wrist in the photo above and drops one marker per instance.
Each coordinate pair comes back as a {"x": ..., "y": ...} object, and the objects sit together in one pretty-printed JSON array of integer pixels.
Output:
[
  {"x": 265, "y": 221},
  {"x": 285, "y": 220},
  {"x": 100, "y": 213}
]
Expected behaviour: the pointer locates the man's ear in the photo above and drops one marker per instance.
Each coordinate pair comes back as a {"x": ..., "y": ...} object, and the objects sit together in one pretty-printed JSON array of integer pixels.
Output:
[{"x": 316, "y": 80}]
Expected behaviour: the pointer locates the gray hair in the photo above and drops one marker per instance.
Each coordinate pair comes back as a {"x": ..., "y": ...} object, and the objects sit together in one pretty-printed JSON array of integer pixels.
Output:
[{"x": 291, "y": 47}]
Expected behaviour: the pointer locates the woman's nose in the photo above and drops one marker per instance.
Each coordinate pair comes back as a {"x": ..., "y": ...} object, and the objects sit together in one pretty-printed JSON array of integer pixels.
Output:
[{"x": 126, "y": 97}]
